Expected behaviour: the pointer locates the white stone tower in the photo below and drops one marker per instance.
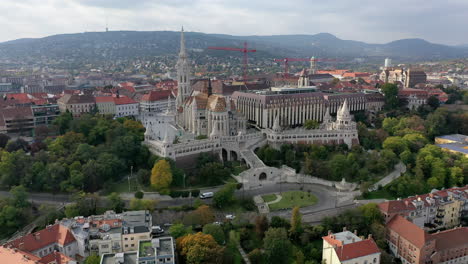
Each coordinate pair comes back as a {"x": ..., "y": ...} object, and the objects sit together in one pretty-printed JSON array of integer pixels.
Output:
[
  {"x": 183, "y": 73},
  {"x": 343, "y": 117},
  {"x": 313, "y": 65}
]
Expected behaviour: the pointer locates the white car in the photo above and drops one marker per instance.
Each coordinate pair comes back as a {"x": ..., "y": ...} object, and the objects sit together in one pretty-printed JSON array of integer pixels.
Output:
[
  {"x": 230, "y": 217},
  {"x": 156, "y": 230}
]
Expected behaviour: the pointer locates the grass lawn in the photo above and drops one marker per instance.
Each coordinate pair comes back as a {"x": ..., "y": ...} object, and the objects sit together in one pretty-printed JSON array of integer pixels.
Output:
[
  {"x": 294, "y": 198},
  {"x": 269, "y": 197},
  {"x": 122, "y": 186},
  {"x": 379, "y": 194}
]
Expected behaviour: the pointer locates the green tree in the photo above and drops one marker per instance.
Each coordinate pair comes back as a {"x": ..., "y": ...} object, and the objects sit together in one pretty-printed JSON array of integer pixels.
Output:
[
  {"x": 19, "y": 197},
  {"x": 339, "y": 166},
  {"x": 296, "y": 222},
  {"x": 311, "y": 124},
  {"x": 433, "y": 102},
  {"x": 142, "y": 204},
  {"x": 216, "y": 232},
  {"x": 179, "y": 230},
  {"x": 201, "y": 216},
  {"x": 395, "y": 144},
  {"x": 63, "y": 122},
  {"x": 93, "y": 259},
  {"x": 161, "y": 176},
  {"x": 390, "y": 92},
  {"x": 261, "y": 225},
  {"x": 277, "y": 246},
  {"x": 456, "y": 177},
  {"x": 225, "y": 196},
  {"x": 116, "y": 203},
  {"x": 199, "y": 248},
  {"x": 256, "y": 256}
]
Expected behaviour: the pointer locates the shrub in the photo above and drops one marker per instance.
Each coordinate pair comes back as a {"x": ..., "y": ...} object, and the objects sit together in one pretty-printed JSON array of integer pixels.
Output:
[
  {"x": 139, "y": 195},
  {"x": 195, "y": 193}
]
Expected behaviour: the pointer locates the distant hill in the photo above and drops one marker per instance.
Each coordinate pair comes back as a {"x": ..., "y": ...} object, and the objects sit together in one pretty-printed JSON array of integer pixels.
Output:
[{"x": 122, "y": 45}]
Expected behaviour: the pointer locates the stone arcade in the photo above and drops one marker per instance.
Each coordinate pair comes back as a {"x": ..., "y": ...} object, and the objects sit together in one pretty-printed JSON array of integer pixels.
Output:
[{"x": 203, "y": 121}]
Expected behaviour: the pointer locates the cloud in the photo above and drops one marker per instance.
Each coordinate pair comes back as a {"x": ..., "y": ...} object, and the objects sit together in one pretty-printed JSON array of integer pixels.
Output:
[{"x": 366, "y": 20}]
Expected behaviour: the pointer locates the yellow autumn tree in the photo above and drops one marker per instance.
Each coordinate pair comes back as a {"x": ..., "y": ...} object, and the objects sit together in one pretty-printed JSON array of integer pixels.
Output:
[
  {"x": 199, "y": 248},
  {"x": 161, "y": 176}
]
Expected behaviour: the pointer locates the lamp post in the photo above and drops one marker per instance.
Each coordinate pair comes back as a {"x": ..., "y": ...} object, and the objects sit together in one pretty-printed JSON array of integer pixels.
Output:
[{"x": 128, "y": 177}]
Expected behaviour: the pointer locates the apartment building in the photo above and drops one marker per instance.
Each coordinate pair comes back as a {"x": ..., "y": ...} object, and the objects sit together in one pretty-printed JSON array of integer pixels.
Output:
[
  {"x": 432, "y": 211},
  {"x": 412, "y": 244},
  {"x": 346, "y": 247},
  {"x": 52, "y": 243},
  {"x": 77, "y": 104}
]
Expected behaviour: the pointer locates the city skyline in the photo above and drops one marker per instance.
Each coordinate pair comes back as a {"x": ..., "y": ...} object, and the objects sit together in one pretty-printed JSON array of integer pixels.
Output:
[{"x": 370, "y": 22}]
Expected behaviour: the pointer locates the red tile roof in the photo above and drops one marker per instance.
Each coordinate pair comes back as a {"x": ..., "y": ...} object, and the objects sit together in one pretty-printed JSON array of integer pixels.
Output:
[
  {"x": 408, "y": 230},
  {"x": 13, "y": 255},
  {"x": 357, "y": 249},
  {"x": 452, "y": 238},
  {"x": 121, "y": 100},
  {"x": 156, "y": 95},
  {"x": 55, "y": 258},
  {"x": 53, "y": 234},
  {"x": 104, "y": 99}
]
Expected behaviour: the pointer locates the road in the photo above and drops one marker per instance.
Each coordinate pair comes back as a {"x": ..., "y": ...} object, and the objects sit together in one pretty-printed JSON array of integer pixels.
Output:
[{"x": 43, "y": 198}]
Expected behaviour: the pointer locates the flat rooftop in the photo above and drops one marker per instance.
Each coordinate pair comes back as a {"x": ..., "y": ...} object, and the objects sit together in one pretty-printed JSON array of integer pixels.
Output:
[
  {"x": 347, "y": 237},
  {"x": 129, "y": 258},
  {"x": 165, "y": 246},
  {"x": 146, "y": 249}
]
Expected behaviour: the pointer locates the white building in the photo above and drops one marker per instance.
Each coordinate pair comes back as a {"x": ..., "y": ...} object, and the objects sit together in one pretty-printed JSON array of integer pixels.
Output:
[
  {"x": 347, "y": 248},
  {"x": 208, "y": 122}
]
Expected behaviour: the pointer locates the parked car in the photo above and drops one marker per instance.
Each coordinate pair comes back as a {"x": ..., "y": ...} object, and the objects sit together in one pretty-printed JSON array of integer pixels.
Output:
[
  {"x": 230, "y": 217},
  {"x": 157, "y": 230},
  {"x": 206, "y": 195}
]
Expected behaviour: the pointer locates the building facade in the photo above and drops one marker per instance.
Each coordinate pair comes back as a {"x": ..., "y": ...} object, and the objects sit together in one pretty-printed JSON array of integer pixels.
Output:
[
  {"x": 411, "y": 244},
  {"x": 432, "y": 211},
  {"x": 295, "y": 106},
  {"x": 346, "y": 247}
]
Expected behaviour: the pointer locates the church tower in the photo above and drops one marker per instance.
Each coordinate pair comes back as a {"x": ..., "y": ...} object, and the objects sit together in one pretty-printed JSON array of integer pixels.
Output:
[
  {"x": 343, "y": 117},
  {"x": 183, "y": 73}
]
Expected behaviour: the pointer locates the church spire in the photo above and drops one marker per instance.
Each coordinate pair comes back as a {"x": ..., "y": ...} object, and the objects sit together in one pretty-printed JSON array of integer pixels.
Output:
[
  {"x": 182, "y": 53},
  {"x": 276, "y": 125}
]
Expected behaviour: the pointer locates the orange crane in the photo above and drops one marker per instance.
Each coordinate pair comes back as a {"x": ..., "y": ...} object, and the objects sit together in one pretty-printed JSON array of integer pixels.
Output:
[{"x": 244, "y": 50}]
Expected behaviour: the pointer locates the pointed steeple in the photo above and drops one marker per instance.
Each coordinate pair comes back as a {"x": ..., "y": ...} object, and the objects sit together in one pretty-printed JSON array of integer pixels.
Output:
[
  {"x": 182, "y": 44},
  {"x": 169, "y": 105},
  {"x": 343, "y": 115},
  {"x": 183, "y": 73},
  {"x": 326, "y": 116},
  {"x": 276, "y": 125},
  {"x": 210, "y": 89},
  {"x": 214, "y": 131}
]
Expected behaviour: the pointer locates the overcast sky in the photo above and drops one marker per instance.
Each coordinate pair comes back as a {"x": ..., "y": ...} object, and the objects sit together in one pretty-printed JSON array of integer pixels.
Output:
[{"x": 374, "y": 21}]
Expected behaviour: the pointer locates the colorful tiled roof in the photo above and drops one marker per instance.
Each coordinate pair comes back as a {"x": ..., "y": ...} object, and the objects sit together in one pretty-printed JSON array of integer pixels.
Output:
[
  {"x": 156, "y": 95},
  {"x": 13, "y": 255},
  {"x": 357, "y": 249},
  {"x": 408, "y": 230},
  {"x": 52, "y": 234}
]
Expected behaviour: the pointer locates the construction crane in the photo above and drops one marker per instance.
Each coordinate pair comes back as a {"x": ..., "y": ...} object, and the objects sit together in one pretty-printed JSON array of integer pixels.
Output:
[
  {"x": 244, "y": 50},
  {"x": 287, "y": 60}
]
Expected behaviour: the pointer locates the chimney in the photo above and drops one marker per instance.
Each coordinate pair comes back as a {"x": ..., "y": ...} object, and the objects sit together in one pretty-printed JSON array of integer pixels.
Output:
[
  {"x": 355, "y": 232},
  {"x": 344, "y": 228},
  {"x": 329, "y": 232},
  {"x": 37, "y": 236},
  {"x": 369, "y": 236}
]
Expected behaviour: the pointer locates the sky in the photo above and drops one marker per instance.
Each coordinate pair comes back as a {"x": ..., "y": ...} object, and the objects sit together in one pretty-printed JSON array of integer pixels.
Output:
[{"x": 372, "y": 21}]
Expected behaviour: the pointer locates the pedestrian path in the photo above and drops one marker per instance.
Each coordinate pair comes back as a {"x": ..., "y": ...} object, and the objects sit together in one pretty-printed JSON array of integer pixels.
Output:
[{"x": 278, "y": 198}]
